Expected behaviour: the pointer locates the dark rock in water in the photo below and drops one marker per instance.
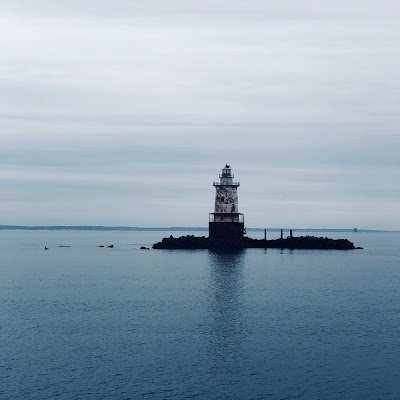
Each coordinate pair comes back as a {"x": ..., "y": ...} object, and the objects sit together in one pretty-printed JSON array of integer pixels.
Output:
[
  {"x": 144, "y": 248},
  {"x": 111, "y": 246},
  {"x": 302, "y": 242},
  {"x": 100, "y": 246},
  {"x": 184, "y": 242}
]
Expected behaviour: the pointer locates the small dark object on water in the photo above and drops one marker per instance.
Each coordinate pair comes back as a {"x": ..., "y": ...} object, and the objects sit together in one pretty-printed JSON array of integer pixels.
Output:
[
  {"x": 111, "y": 246},
  {"x": 46, "y": 248},
  {"x": 144, "y": 248},
  {"x": 100, "y": 246},
  {"x": 61, "y": 245}
]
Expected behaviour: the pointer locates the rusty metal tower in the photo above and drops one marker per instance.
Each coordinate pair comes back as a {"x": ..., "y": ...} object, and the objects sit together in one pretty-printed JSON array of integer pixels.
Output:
[{"x": 226, "y": 222}]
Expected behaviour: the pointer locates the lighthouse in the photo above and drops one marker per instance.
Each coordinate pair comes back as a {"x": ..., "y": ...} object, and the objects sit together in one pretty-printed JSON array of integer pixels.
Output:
[{"x": 226, "y": 222}]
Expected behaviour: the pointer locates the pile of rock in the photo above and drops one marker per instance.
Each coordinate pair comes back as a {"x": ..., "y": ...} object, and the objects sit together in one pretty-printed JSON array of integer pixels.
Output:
[{"x": 191, "y": 242}]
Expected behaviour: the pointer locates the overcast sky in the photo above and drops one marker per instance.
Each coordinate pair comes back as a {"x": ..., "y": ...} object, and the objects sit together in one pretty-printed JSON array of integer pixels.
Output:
[{"x": 124, "y": 112}]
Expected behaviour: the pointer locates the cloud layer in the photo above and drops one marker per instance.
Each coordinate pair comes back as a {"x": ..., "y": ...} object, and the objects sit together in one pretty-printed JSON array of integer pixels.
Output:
[{"x": 125, "y": 113}]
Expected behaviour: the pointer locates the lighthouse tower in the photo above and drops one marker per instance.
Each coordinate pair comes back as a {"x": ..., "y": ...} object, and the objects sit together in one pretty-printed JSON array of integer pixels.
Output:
[{"x": 226, "y": 222}]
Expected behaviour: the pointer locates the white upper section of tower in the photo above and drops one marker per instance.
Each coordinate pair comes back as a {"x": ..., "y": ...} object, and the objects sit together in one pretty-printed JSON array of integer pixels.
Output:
[{"x": 226, "y": 199}]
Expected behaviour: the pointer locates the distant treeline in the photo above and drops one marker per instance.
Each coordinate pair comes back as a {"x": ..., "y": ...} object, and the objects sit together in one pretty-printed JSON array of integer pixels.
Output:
[
  {"x": 171, "y": 228},
  {"x": 95, "y": 228}
]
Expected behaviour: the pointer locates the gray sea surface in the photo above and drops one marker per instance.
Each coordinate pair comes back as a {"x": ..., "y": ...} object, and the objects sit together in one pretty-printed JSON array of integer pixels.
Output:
[{"x": 85, "y": 322}]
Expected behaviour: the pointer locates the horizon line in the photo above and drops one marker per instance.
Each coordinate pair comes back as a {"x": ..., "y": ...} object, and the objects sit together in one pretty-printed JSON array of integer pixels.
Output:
[{"x": 173, "y": 228}]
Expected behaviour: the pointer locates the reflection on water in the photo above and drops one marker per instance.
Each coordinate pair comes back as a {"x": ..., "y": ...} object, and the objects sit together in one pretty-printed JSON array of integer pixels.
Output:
[{"x": 226, "y": 330}]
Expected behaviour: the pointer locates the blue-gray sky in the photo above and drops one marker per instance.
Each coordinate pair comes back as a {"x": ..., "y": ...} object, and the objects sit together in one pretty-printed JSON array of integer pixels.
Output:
[{"x": 124, "y": 112}]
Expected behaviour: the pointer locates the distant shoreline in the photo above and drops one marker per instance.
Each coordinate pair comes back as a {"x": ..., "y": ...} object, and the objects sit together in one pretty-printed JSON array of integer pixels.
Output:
[{"x": 163, "y": 229}]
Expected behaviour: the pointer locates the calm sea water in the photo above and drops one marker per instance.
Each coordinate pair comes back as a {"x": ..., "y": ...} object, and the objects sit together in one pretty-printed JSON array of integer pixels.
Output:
[{"x": 95, "y": 323}]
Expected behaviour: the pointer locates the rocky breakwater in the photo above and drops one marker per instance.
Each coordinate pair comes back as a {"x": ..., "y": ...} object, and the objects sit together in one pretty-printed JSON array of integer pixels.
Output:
[
  {"x": 183, "y": 243},
  {"x": 301, "y": 242}
]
